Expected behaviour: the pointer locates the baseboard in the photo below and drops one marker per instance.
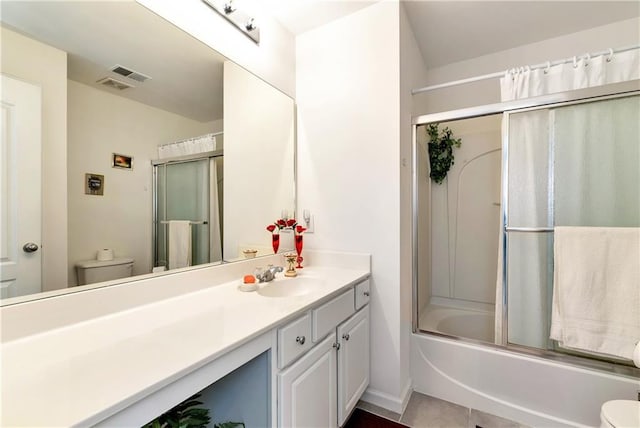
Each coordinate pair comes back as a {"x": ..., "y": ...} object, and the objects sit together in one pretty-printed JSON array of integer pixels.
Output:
[
  {"x": 406, "y": 394},
  {"x": 387, "y": 401}
]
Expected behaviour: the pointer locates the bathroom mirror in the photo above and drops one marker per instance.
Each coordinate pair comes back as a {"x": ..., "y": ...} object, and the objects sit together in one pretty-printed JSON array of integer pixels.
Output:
[{"x": 115, "y": 81}]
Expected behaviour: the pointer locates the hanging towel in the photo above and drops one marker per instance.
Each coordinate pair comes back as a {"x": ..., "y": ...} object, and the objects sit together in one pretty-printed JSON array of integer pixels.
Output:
[
  {"x": 596, "y": 290},
  {"x": 179, "y": 244}
]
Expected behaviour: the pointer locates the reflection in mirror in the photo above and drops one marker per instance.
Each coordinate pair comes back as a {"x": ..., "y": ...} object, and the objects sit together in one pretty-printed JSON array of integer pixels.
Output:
[{"x": 141, "y": 171}]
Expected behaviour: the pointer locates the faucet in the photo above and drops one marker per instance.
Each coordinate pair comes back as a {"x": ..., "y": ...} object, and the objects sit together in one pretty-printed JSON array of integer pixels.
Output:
[{"x": 268, "y": 274}]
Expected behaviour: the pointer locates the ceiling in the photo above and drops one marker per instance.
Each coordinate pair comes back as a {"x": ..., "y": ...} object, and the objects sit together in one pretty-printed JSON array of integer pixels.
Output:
[
  {"x": 131, "y": 36},
  {"x": 452, "y": 31},
  {"x": 300, "y": 16}
]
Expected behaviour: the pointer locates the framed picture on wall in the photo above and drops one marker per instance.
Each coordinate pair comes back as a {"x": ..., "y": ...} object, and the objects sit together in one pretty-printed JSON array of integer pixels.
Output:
[
  {"x": 94, "y": 184},
  {"x": 122, "y": 161}
]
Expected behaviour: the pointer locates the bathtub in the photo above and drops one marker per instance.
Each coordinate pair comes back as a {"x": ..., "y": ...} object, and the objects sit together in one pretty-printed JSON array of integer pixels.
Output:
[
  {"x": 531, "y": 390},
  {"x": 459, "y": 322}
]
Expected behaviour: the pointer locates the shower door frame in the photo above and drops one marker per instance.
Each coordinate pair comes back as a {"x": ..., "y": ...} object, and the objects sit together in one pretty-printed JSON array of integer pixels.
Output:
[
  {"x": 599, "y": 93},
  {"x": 154, "y": 203}
]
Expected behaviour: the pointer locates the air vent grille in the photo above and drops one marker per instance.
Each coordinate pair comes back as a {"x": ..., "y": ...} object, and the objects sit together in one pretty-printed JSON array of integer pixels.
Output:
[
  {"x": 131, "y": 74},
  {"x": 115, "y": 84}
]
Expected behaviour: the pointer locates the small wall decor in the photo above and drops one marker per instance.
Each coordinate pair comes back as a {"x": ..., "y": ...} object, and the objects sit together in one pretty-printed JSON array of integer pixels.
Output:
[
  {"x": 122, "y": 161},
  {"x": 94, "y": 184},
  {"x": 441, "y": 146}
]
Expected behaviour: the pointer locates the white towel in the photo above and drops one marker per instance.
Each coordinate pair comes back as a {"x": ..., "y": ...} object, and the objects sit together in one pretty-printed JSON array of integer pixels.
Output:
[
  {"x": 179, "y": 244},
  {"x": 596, "y": 292}
]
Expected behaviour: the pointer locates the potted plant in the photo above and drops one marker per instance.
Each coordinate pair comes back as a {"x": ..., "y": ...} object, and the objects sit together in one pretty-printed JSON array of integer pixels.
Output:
[
  {"x": 188, "y": 415},
  {"x": 441, "y": 146}
]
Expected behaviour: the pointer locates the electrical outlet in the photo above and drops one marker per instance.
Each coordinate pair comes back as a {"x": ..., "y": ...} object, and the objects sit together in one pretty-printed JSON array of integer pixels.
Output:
[{"x": 307, "y": 219}]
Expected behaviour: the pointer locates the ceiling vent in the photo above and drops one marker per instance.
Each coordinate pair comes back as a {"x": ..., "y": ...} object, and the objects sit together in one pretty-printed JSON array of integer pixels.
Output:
[
  {"x": 131, "y": 74},
  {"x": 115, "y": 84}
]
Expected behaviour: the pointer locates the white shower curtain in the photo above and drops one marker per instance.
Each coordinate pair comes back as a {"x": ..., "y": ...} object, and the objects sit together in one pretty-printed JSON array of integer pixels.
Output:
[
  {"x": 529, "y": 134},
  {"x": 587, "y": 72},
  {"x": 201, "y": 144},
  {"x": 215, "y": 241}
]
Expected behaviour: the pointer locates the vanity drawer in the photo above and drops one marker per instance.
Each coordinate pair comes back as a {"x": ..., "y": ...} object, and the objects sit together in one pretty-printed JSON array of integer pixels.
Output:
[
  {"x": 332, "y": 313},
  {"x": 294, "y": 339},
  {"x": 363, "y": 291}
]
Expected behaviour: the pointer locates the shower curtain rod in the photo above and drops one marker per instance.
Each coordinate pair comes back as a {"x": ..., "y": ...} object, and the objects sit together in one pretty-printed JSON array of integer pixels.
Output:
[{"x": 532, "y": 67}]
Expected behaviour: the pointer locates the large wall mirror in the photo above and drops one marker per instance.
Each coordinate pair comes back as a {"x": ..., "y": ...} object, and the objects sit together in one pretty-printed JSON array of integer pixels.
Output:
[{"x": 127, "y": 143}]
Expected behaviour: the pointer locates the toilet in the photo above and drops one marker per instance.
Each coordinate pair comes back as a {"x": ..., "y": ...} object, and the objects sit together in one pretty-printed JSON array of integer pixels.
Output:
[
  {"x": 92, "y": 271},
  {"x": 620, "y": 414}
]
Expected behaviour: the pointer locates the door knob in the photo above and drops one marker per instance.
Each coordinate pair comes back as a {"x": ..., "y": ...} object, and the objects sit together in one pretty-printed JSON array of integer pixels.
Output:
[{"x": 30, "y": 247}]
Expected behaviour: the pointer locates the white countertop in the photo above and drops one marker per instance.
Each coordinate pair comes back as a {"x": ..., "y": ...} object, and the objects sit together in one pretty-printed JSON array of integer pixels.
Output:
[{"x": 82, "y": 373}]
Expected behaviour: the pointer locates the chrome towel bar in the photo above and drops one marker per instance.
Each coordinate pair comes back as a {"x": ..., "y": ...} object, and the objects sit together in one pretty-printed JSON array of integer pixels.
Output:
[{"x": 528, "y": 229}]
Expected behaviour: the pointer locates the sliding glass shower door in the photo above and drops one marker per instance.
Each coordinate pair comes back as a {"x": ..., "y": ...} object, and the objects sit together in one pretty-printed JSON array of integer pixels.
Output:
[
  {"x": 188, "y": 190},
  {"x": 571, "y": 165}
]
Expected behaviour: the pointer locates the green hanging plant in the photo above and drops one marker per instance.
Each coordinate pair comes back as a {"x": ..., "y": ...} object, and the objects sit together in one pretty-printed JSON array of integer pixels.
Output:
[
  {"x": 441, "y": 146},
  {"x": 188, "y": 415}
]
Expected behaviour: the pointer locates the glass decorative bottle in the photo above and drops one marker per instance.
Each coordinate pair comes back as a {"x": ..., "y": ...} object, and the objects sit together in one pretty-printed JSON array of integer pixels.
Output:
[{"x": 298, "y": 239}]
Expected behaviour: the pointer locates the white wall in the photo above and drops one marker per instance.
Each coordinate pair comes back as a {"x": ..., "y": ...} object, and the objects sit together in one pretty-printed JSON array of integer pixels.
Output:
[
  {"x": 258, "y": 161},
  {"x": 273, "y": 60},
  {"x": 618, "y": 34},
  {"x": 412, "y": 73},
  {"x": 100, "y": 124},
  {"x": 46, "y": 67},
  {"x": 348, "y": 86}
]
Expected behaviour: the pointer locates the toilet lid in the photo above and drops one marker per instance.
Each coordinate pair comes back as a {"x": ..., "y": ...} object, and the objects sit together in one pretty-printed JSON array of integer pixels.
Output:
[{"x": 622, "y": 413}]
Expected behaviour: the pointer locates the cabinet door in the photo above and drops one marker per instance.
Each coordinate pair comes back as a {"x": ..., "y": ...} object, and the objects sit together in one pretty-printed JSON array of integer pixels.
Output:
[
  {"x": 307, "y": 389},
  {"x": 353, "y": 362}
]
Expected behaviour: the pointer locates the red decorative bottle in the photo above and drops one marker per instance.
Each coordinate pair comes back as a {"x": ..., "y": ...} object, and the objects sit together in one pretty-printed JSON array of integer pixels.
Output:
[
  {"x": 275, "y": 242},
  {"x": 298, "y": 239}
]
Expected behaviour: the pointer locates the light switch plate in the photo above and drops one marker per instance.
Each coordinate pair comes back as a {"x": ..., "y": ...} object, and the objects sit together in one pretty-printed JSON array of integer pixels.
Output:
[{"x": 309, "y": 226}]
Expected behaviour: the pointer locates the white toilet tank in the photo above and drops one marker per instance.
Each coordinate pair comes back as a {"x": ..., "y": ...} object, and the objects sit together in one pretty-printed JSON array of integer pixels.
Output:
[
  {"x": 620, "y": 414},
  {"x": 92, "y": 271}
]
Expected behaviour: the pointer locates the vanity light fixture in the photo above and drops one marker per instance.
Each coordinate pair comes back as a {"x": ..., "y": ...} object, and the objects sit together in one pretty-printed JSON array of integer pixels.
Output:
[
  {"x": 250, "y": 25},
  {"x": 228, "y": 8},
  {"x": 240, "y": 19}
]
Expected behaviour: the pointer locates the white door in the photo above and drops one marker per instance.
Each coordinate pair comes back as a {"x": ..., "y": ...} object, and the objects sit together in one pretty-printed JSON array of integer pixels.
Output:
[
  {"x": 307, "y": 389},
  {"x": 20, "y": 188},
  {"x": 353, "y": 362}
]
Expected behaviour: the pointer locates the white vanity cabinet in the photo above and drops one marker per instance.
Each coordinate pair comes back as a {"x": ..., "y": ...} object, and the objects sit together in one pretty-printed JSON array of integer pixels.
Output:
[
  {"x": 353, "y": 362},
  {"x": 307, "y": 389},
  {"x": 322, "y": 387}
]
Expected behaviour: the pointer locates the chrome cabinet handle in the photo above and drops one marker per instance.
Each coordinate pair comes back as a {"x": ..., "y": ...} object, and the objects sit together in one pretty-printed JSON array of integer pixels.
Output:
[
  {"x": 337, "y": 346},
  {"x": 366, "y": 293},
  {"x": 301, "y": 340},
  {"x": 345, "y": 336},
  {"x": 30, "y": 247}
]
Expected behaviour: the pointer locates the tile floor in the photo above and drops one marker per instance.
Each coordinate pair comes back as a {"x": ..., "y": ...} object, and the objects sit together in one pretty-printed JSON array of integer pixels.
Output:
[{"x": 424, "y": 411}]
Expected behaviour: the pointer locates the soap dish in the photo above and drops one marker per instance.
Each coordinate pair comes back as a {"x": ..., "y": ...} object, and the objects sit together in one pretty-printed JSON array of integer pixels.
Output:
[{"x": 247, "y": 287}]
